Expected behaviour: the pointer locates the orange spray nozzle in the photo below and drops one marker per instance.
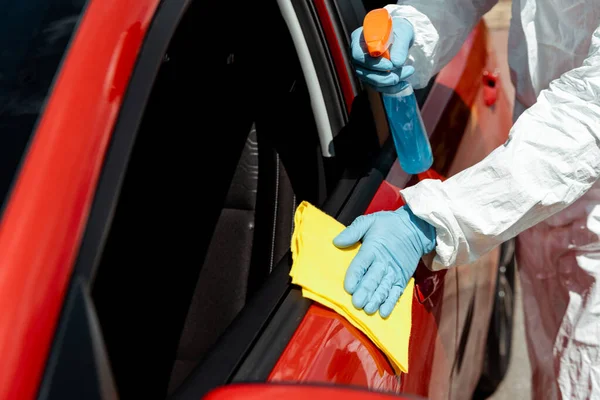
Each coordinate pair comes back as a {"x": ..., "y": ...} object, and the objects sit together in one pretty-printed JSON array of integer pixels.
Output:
[{"x": 377, "y": 30}]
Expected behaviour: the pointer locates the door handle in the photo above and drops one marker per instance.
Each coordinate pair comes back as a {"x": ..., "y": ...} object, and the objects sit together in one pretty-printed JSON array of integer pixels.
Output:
[{"x": 490, "y": 87}]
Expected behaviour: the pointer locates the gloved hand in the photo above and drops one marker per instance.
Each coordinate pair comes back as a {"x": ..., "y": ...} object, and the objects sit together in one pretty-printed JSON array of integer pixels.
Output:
[
  {"x": 393, "y": 242},
  {"x": 383, "y": 74}
]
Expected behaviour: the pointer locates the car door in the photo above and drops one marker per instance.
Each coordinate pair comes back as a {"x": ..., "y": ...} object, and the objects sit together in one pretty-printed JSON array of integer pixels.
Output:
[
  {"x": 157, "y": 203},
  {"x": 435, "y": 315},
  {"x": 451, "y": 323},
  {"x": 362, "y": 153},
  {"x": 276, "y": 338}
]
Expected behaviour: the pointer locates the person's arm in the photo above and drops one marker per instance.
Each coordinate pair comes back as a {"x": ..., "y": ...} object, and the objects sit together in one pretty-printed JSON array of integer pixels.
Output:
[
  {"x": 441, "y": 27},
  {"x": 552, "y": 157}
]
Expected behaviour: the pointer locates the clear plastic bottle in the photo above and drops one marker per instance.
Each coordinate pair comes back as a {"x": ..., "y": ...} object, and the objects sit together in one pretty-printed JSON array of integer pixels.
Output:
[{"x": 407, "y": 128}]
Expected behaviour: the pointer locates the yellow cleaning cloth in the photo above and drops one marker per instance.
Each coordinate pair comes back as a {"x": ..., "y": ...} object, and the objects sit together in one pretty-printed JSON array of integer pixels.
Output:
[{"x": 319, "y": 268}]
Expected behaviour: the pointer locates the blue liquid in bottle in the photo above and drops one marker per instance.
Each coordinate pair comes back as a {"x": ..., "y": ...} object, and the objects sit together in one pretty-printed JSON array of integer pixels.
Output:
[{"x": 408, "y": 131}]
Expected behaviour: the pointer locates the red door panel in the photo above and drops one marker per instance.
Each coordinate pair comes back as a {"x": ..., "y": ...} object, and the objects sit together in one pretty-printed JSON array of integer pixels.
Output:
[
  {"x": 328, "y": 349},
  {"x": 295, "y": 392}
]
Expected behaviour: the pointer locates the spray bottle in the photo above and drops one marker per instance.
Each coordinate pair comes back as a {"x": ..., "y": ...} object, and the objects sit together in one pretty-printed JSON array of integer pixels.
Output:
[{"x": 406, "y": 125}]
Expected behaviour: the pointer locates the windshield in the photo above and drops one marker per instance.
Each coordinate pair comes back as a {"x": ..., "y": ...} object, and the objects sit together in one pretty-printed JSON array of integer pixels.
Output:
[{"x": 34, "y": 36}]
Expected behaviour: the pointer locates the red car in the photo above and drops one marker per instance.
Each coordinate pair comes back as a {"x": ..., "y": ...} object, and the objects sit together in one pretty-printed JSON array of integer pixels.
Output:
[{"x": 153, "y": 154}]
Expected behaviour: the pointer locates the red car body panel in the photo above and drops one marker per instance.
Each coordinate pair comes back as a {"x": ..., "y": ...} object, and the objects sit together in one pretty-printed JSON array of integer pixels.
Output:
[
  {"x": 326, "y": 349},
  {"x": 294, "y": 392},
  {"x": 48, "y": 209}
]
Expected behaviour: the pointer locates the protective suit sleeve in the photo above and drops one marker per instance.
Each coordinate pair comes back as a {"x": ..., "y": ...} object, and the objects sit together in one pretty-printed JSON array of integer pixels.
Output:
[
  {"x": 441, "y": 27},
  {"x": 552, "y": 157}
]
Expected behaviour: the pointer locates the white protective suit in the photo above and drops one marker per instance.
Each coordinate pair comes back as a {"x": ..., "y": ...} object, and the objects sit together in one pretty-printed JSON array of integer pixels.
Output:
[{"x": 551, "y": 159}]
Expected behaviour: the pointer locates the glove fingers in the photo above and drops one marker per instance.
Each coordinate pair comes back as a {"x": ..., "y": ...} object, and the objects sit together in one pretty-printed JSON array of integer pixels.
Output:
[
  {"x": 403, "y": 38},
  {"x": 360, "y": 54},
  {"x": 356, "y": 35},
  {"x": 384, "y": 79},
  {"x": 354, "y": 233},
  {"x": 381, "y": 293},
  {"x": 357, "y": 269},
  {"x": 406, "y": 71},
  {"x": 368, "y": 285},
  {"x": 398, "y": 54},
  {"x": 388, "y": 306}
]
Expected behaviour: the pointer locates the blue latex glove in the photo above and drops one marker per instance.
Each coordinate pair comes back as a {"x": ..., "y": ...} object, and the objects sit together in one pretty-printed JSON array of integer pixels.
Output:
[
  {"x": 393, "y": 242},
  {"x": 383, "y": 74}
]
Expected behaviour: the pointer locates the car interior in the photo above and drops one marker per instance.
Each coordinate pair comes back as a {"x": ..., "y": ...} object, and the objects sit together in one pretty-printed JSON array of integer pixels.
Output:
[{"x": 226, "y": 150}]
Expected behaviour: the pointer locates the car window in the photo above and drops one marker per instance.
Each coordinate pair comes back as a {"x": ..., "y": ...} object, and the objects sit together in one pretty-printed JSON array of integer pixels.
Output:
[{"x": 34, "y": 36}]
